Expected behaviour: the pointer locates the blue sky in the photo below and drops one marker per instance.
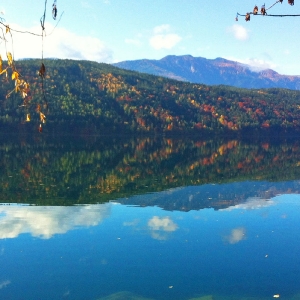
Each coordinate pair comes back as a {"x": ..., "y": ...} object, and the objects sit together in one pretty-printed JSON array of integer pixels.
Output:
[{"x": 116, "y": 30}]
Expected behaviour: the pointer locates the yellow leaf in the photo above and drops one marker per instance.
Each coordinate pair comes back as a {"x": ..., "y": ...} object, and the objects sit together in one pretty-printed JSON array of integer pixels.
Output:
[
  {"x": 1, "y": 62},
  {"x": 42, "y": 117},
  {"x": 17, "y": 82},
  {"x": 9, "y": 58},
  {"x": 7, "y": 29},
  {"x": 4, "y": 71},
  {"x": 14, "y": 75}
]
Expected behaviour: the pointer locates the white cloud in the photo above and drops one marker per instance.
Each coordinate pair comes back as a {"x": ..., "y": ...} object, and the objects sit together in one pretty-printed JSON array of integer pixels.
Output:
[
  {"x": 163, "y": 39},
  {"x": 59, "y": 43},
  {"x": 44, "y": 222},
  {"x": 161, "y": 227},
  {"x": 236, "y": 235},
  {"x": 259, "y": 64},
  {"x": 239, "y": 32},
  {"x": 254, "y": 64}
]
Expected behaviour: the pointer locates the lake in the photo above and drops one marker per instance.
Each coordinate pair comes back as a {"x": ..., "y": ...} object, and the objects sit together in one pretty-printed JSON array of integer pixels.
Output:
[{"x": 149, "y": 218}]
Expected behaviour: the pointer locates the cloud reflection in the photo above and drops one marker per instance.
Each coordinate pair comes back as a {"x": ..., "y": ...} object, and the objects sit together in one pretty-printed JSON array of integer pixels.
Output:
[
  {"x": 4, "y": 284},
  {"x": 46, "y": 221},
  {"x": 252, "y": 203},
  {"x": 236, "y": 235},
  {"x": 160, "y": 228}
]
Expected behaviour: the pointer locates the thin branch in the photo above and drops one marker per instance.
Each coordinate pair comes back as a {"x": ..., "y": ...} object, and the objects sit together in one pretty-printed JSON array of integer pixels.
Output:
[
  {"x": 55, "y": 24},
  {"x": 20, "y": 31},
  {"x": 255, "y": 13},
  {"x": 266, "y": 15},
  {"x": 273, "y": 4},
  {"x": 42, "y": 20}
]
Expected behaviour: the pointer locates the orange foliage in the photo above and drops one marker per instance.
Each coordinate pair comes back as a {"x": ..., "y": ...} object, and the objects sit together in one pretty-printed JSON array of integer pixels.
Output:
[{"x": 266, "y": 124}]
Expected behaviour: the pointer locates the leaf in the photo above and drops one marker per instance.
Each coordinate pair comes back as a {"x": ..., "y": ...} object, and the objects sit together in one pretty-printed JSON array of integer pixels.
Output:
[
  {"x": 9, "y": 58},
  {"x": 14, "y": 75},
  {"x": 42, "y": 117},
  {"x": 1, "y": 63},
  {"x": 17, "y": 82},
  {"x": 42, "y": 70},
  {"x": 7, "y": 29}
]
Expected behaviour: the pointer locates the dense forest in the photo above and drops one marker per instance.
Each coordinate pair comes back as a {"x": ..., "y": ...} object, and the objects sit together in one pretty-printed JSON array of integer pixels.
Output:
[
  {"x": 90, "y": 97},
  {"x": 39, "y": 170}
]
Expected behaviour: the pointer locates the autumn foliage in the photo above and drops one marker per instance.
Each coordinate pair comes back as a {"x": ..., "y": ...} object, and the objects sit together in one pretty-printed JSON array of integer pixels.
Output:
[{"x": 101, "y": 98}]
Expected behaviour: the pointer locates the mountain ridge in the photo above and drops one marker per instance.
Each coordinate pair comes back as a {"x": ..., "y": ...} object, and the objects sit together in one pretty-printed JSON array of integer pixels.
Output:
[
  {"x": 218, "y": 71},
  {"x": 84, "y": 96}
]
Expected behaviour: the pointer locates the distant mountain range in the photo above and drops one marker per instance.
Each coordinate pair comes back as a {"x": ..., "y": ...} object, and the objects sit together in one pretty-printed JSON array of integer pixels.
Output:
[{"x": 211, "y": 72}]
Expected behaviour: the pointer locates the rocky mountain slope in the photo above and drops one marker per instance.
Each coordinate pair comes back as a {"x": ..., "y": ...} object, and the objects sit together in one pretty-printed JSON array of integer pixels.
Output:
[{"x": 212, "y": 72}]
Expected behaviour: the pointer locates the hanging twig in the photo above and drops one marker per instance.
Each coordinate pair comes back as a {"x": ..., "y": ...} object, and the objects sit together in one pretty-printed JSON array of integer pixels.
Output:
[
  {"x": 264, "y": 12},
  {"x": 267, "y": 15},
  {"x": 21, "y": 85}
]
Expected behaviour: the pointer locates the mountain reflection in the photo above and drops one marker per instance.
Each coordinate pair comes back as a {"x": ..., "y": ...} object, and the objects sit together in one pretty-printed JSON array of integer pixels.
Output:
[
  {"x": 44, "y": 170},
  {"x": 46, "y": 221}
]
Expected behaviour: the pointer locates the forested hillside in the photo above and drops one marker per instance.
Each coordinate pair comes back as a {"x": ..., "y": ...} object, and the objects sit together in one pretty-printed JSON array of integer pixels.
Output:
[{"x": 88, "y": 96}]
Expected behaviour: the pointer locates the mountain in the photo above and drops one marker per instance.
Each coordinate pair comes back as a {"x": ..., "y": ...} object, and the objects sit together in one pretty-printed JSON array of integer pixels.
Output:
[
  {"x": 89, "y": 97},
  {"x": 211, "y": 72}
]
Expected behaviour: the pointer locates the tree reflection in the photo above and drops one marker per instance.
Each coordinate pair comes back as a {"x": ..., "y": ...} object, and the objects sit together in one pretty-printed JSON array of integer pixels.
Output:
[{"x": 67, "y": 171}]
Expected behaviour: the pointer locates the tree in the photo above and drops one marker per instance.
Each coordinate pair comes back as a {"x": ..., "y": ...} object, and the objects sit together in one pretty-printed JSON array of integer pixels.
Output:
[{"x": 11, "y": 73}]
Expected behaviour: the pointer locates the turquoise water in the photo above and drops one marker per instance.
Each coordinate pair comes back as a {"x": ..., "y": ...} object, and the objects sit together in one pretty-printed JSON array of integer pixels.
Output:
[
  {"x": 114, "y": 251},
  {"x": 157, "y": 218}
]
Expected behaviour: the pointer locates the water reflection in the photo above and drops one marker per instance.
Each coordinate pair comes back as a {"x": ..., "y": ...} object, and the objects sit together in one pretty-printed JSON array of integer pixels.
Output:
[
  {"x": 51, "y": 171},
  {"x": 160, "y": 228},
  {"x": 113, "y": 251},
  {"x": 162, "y": 219},
  {"x": 46, "y": 221},
  {"x": 236, "y": 235}
]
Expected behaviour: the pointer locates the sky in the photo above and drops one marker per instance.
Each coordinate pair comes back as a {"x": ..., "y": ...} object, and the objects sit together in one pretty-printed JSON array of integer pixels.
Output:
[{"x": 111, "y": 31}]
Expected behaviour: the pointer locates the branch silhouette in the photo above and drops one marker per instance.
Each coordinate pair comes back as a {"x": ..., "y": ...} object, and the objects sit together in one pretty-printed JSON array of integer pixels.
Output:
[
  {"x": 263, "y": 11},
  {"x": 10, "y": 71}
]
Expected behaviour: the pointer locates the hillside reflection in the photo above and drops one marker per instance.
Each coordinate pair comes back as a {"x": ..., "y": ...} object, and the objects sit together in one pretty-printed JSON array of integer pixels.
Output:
[{"x": 65, "y": 171}]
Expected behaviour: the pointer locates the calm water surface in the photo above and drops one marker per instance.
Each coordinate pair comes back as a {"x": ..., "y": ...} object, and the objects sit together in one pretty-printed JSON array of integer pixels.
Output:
[{"x": 174, "y": 234}]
